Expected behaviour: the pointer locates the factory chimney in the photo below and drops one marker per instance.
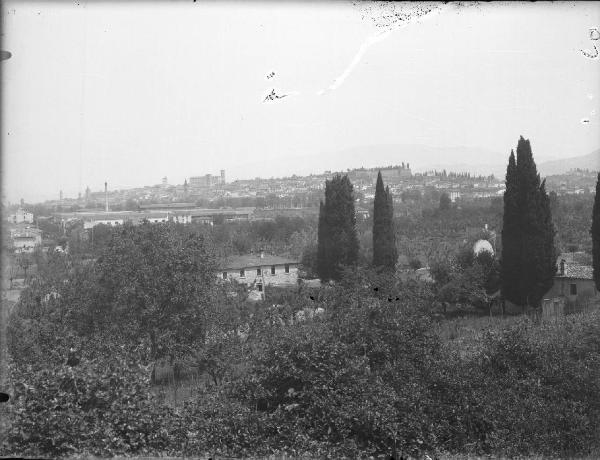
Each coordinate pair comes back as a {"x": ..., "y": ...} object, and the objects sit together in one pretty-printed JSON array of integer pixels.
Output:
[{"x": 106, "y": 196}]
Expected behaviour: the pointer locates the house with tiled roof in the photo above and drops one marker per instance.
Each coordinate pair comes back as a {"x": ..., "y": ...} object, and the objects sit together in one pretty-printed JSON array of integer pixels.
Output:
[
  {"x": 574, "y": 281},
  {"x": 260, "y": 270}
]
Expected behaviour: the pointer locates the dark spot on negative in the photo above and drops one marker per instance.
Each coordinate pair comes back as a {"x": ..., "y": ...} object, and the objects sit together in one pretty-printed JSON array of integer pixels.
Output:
[{"x": 4, "y": 397}]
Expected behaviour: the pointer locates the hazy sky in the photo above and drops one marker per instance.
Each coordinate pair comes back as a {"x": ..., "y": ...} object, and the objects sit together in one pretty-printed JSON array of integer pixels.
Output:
[{"x": 131, "y": 92}]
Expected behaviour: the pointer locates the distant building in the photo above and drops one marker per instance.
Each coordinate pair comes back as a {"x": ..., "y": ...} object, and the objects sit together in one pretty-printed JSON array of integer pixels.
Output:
[
  {"x": 21, "y": 217},
  {"x": 92, "y": 221},
  {"x": 206, "y": 181},
  {"x": 26, "y": 239},
  {"x": 259, "y": 270}
]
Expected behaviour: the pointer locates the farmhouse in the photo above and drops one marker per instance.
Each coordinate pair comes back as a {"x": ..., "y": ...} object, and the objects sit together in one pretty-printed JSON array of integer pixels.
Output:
[
  {"x": 259, "y": 270},
  {"x": 574, "y": 282}
]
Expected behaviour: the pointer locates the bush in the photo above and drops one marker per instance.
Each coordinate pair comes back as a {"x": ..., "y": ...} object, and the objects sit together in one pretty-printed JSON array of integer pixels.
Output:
[
  {"x": 99, "y": 409},
  {"x": 530, "y": 390}
]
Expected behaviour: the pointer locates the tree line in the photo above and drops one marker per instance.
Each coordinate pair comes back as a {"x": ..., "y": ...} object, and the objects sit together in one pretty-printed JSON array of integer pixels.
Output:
[
  {"x": 527, "y": 264},
  {"x": 338, "y": 243}
]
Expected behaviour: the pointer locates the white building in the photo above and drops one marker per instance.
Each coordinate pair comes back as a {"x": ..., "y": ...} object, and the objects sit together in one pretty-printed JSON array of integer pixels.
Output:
[
  {"x": 259, "y": 270},
  {"x": 21, "y": 217}
]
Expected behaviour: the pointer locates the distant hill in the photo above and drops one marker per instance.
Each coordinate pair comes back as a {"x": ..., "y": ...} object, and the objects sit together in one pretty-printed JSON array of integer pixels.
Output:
[
  {"x": 590, "y": 161},
  {"x": 420, "y": 157}
]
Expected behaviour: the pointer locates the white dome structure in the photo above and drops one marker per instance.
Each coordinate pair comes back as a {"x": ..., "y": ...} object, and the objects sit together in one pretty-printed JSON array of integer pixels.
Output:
[{"x": 482, "y": 245}]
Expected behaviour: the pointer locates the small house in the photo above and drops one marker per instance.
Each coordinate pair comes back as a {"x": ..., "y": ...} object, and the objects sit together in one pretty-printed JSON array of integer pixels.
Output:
[
  {"x": 259, "y": 270},
  {"x": 574, "y": 282}
]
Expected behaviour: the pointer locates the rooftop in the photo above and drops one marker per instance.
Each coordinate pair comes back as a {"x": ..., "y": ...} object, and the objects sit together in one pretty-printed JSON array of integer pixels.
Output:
[{"x": 255, "y": 260}]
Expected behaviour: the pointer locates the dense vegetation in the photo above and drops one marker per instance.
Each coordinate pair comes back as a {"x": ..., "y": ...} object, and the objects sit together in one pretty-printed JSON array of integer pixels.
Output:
[
  {"x": 528, "y": 263},
  {"x": 596, "y": 235},
  {"x": 385, "y": 253},
  {"x": 338, "y": 243},
  {"x": 367, "y": 376}
]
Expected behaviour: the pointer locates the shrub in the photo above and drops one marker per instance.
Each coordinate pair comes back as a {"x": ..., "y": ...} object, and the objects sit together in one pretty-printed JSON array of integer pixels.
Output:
[{"x": 93, "y": 408}]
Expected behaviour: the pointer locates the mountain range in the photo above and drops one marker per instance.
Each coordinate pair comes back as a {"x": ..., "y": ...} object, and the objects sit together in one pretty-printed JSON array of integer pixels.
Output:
[{"x": 590, "y": 161}]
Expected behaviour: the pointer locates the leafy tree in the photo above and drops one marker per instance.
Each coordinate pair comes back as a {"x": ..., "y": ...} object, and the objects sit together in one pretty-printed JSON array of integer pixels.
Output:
[
  {"x": 490, "y": 268},
  {"x": 596, "y": 235},
  {"x": 528, "y": 253},
  {"x": 156, "y": 283},
  {"x": 445, "y": 202},
  {"x": 385, "y": 253},
  {"x": 338, "y": 242}
]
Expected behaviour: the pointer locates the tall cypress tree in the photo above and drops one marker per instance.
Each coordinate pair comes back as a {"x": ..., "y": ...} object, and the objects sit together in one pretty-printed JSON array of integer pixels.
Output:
[
  {"x": 596, "y": 235},
  {"x": 384, "y": 238},
  {"x": 338, "y": 243},
  {"x": 528, "y": 253},
  {"x": 511, "y": 245},
  {"x": 393, "y": 251},
  {"x": 323, "y": 263}
]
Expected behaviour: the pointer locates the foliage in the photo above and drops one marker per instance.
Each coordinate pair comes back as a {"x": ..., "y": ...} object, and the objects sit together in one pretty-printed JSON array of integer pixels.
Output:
[
  {"x": 528, "y": 253},
  {"x": 445, "y": 202},
  {"x": 355, "y": 375},
  {"x": 368, "y": 376},
  {"x": 522, "y": 391},
  {"x": 467, "y": 279},
  {"x": 337, "y": 240},
  {"x": 99, "y": 408},
  {"x": 157, "y": 283},
  {"x": 385, "y": 253},
  {"x": 596, "y": 235}
]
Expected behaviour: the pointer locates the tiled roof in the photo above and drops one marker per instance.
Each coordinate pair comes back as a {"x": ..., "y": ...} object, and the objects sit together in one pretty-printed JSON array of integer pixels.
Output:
[{"x": 254, "y": 260}]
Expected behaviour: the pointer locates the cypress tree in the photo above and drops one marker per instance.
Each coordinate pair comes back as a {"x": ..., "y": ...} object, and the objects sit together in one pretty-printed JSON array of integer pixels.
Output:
[
  {"x": 338, "y": 242},
  {"x": 528, "y": 253},
  {"x": 511, "y": 245},
  {"x": 596, "y": 235},
  {"x": 393, "y": 251},
  {"x": 384, "y": 238},
  {"x": 323, "y": 263}
]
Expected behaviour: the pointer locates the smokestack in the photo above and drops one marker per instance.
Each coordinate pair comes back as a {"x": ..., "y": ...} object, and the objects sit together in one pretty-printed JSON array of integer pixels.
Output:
[
  {"x": 106, "y": 196},
  {"x": 562, "y": 267}
]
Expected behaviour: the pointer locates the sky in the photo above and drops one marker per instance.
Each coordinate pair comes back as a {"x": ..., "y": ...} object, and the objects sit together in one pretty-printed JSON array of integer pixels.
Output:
[{"x": 130, "y": 92}]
